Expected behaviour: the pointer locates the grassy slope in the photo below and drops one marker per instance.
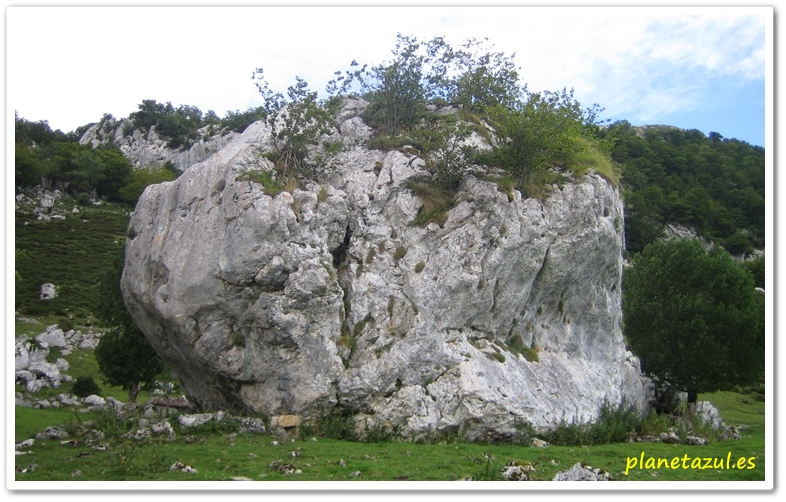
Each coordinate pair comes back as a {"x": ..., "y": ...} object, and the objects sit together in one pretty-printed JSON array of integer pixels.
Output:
[{"x": 73, "y": 254}]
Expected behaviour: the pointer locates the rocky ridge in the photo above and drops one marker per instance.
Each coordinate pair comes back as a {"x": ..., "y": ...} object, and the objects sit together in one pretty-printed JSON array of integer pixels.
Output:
[
  {"x": 145, "y": 149},
  {"x": 328, "y": 300}
]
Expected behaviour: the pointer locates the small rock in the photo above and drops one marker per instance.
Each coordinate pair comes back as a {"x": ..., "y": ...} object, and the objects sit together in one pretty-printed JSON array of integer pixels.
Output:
[
  {"x": 356, "y": 474},
  {"x": 182, "y": 467},
  {"x": 539, "y": 443},
  {"x": 696, "y": 441},
  {"x": 582, "y": 472}
]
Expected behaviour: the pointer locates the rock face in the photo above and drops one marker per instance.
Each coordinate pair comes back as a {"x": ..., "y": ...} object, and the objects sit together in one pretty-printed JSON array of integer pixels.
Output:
[
  {"x": 148, "y": 149},
  {"x": 327, "y": 299}
]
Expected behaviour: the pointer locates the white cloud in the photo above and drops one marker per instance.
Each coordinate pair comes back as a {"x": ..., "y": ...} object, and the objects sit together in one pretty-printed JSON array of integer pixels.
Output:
[{"x": 71, "y": 65}]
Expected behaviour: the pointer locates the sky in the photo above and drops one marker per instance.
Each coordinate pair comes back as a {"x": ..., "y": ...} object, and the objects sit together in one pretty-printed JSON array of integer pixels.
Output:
[{"x": 699, "y": 68}]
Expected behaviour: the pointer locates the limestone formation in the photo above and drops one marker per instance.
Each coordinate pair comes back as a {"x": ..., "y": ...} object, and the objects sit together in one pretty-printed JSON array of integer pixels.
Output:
[
  {"x": 329, "y": 300},
  {"x": 146, "y": 149}
]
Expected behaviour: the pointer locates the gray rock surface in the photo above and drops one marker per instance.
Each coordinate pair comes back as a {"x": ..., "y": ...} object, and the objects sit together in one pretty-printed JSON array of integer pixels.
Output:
[
  {"x": 300, "y": 303},
  {"x": 149, "y": 149},
  {"x": 582, "y": 472}
]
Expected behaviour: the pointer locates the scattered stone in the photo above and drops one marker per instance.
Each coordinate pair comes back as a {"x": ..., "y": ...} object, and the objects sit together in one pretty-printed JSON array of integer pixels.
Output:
[
  {"x": 183, "y": 467},
  {"x": 515, "y": 471},
  {"x": 539, "y": 443},
  {"x": 194, "y": 420},
  {"x": 52, "y": 432},
  {"x": 240, "y": 478},
  {"x": 77, "y": 473},
  {"x": 251, "y": 425},
  {"x": 582, "y": 472},
  {"x": 730, "y": 433},
  {"x": 289, "y": 469},
  {"x": 27, "y": 443},
  {"x": 48, "y": 291},
  {"x": 708, "y": 414},
  {"x": 274, "y": 443},
  {"x": 670, "y": 437},
  {"x": 341, "y": 463},
  {"x": 52, "y": 338},
  {"x": 355, "y": 474},
  {"x": 163, "y": 429},
  {"x": 94, "y": 400},
  {"x": 696, "y": 441}
]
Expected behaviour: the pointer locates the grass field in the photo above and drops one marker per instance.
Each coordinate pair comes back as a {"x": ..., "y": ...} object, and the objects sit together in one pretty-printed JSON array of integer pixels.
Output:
[{"x": 217, "y": 455}]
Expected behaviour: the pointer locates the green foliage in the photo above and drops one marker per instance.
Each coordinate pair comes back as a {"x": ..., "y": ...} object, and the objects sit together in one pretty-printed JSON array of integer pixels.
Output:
[
  {"x": 338, "y": 423},
  {"x": 140, "y": 179},
  {"x": 539, "y": 130},
  {"x": 497, "y": 357},
  {"x": 177, "y": 125},
  {"x": 41, "y": 153},
  {"x": 437, "y": 201},
  {"x": 125, "y": 357},
  {"x": 238, "y": 121},
  {"x": 419, "y": 267},
  {"x": 712, "y": 184},
  {"x": 692, "y": 317},
  {"x": 400, "y": 252},
  {"x": 297, "y": 122},
  {"x": 481, "y": 80},
  {"x": 322, "y": 195},
  {"x": 756, "y": 268},
  {"x": 447, "y": 155},
  {"x": 612, "y": 426},
  {"x": 72, "y": 254},
  {"x": 271, "y": 185},
  {"x": 85, "y": 386}
]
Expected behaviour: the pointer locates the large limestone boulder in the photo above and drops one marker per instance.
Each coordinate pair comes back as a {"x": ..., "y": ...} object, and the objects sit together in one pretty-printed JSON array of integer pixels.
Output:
[{"x": 328, "y": 298}]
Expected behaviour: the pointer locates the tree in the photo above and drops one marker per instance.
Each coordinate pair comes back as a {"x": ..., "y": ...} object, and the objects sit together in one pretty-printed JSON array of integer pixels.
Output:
[
  {"x": 125, "y": 357},
  {"x": 535, "y": 133},
  {"x": 692, "y": 318},
  {"x": 296, "y": 123},
  {"x": 139, "y": 179},
  {"x": 482, "y": 80}
]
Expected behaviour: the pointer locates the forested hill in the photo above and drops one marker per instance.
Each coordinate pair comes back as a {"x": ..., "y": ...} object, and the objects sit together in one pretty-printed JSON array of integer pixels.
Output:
[{"x": 712, "y": 184}]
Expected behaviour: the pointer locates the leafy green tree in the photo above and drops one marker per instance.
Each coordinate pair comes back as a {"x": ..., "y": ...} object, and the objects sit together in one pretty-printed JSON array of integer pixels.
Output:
[
  {"x": 480, "y": 80},
  {"x": 115, "y": 173},
  {"x": 297, "y": 121},
  {"x": 446, "y": 152},
  {"x": 693, "y": 318},
  {"x": 712, "y": 184},
  {"x": 139, "y": 179},
  {"x": 125, "y": 357},
  {"x": 399, "y": 89},
  {"x": 539, "y": 130}
]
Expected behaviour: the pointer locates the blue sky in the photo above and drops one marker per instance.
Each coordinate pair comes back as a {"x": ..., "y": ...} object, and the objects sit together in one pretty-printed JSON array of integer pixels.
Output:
[{"x": 699, "y": 68}]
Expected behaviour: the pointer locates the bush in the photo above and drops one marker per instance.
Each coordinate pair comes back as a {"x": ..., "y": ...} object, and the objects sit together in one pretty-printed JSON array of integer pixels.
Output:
[
  {"x": 437, "y": 201},
  {"x": 85, "y": 386}
]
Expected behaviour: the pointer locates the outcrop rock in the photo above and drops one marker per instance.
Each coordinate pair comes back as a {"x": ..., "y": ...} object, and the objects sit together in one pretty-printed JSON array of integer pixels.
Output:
[
  {"x": 144, "y": 149},
  {"x": 327, "y": 299}
]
